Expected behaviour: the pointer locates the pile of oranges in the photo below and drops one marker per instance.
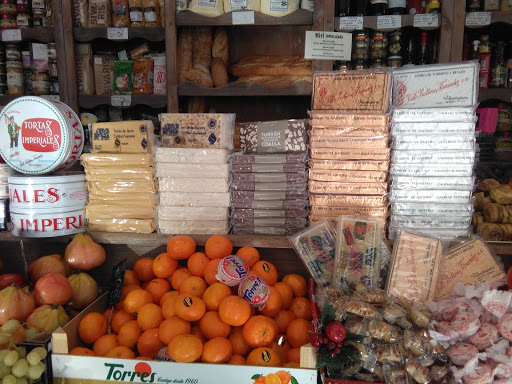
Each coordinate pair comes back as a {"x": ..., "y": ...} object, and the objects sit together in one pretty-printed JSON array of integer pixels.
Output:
[{"x": 197, "y": 318}]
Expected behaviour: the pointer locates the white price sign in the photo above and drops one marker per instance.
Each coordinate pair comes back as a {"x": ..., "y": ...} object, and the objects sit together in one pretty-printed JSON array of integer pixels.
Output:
[
  {"x": 11, "y": 35},
  {"x": 351, "y": 23},
  {"x": 328, "y": 45},
  {"x": 243, "y": 17},
  {"x": 117, "y": 33},
  {"x": 121, "y": 100},
  {"x": 389, "y": 22},
  {"x": 425, "y": 20},
  {"x": 478, "y": 18}
]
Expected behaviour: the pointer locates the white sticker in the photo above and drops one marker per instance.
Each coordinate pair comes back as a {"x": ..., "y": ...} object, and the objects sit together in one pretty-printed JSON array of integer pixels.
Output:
[
  {"x": 11, "y": 35},
  {"x": 278, "y": 5},
  {"x": 328, "y": 45},
  {"x": 207, "y": 3},
  {"x": 121, "y": 100},
  {"x": 150, "y": 16},
  {"x": 97, "y": 60},
  {"x": 389, "y": 22},
  {"x": 117, "y": 33},
  {"x": 478, "y": 18},
  {"x": 351, "y": 23},
  {"x": 245, "y": 17},
  {"x": 237, "y": 5},
  {"x": 422, "y": 20}
]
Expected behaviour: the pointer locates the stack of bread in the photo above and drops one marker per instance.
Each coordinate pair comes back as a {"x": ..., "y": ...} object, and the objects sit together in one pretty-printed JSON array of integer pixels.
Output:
[
  {"x": 349, "y": 145},
  {"x": 120, "y": 178},
  {"x": 433, "y": 128},
  {"x": 192, "y": 168},
  {"x": 270, "y": 178}
]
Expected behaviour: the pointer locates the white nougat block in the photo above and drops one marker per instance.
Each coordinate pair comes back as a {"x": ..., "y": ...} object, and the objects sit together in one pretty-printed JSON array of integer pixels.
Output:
[
  {"x": 219, "y": 171},
  {"x": 193, "y": 227},
  {"x": 195, "y": 199},
  {"x": 192, "y": 213},
  {"x": 192, "y": 155},
  {"x": 182, "y": 184}
]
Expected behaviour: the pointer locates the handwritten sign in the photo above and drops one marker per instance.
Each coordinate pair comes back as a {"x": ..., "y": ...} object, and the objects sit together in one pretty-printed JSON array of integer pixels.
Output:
[
  {"x": 351, "y": 23},
  {"x": 121, "y": 100},
  {"x": 478, "y": 18},
  {"x": 426, "y": 20},
  {"x": 389, "y": 22},
  {"x": 117, "y": 33},
  {"x": 328, "y": 45},
  {"x": 11, "y": 35},
  {"x": 241, "y": 18}
]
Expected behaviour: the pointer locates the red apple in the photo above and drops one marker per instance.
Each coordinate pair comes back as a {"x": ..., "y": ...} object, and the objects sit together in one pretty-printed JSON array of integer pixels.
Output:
[{"x": 335, "y": 331}]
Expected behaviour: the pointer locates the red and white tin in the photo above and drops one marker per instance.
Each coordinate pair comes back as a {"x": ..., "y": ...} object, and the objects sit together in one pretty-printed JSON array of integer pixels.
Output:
[
  {"x": 39, "y": 136},
  {"x": 56, "y": 191},
  {"x": 49, "y": 222}
]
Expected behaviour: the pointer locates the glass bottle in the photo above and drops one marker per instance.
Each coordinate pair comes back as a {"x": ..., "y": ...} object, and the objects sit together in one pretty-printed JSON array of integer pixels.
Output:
[
  {"x": 358, "y": 7},
  {"x": 473, "y": 5},
  {"x": 342, "y": 8},
  {"x": 434, "y": 6},
  {"x": 476, "y": 53},
  {"x": 409, "y": 59},
  {"x": 423, "y": 49},
  {"x": 498, "y": 70},
  {"x": 415, "y": 6},
  {"x": 485, "y": 61},
  {"x": 377, "y": 7},
  {"x": 509, "y": 64},
  {"x": 397, "y": 7}
]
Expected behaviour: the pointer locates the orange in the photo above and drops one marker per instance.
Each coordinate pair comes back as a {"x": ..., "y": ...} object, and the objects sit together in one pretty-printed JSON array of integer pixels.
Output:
[
  {"x": 249, "y": 254},
  {"x": 136, "y": 299},
  {"x": 234, "y": 310},
  {"x": 196, "y": 331},
  {"x": 284, "y": 377},
  {"x": 293, "y": 355},
  {"x": 193, "y": 286},
  {"x": 92, "y": 327},
  {"x": 130, "y": 277},
  {"x": 127, "y": 289},
  {"x": 178, "y": 276},
  {"x": 301, "y": 307},
  {"x": 164, "y": 265},
  {"x": 237, "y": 360},
  {"x": 81, "y": 351},
  {"x": 259, "y": 331},
  {"x": 197, "y": 263},
  {"x": 240, "y": 346},
  {"x": 143, "y": 269},
  {"x": 266, "y": 271},
  {"x": 104, "y": 344},
  {"x": 157, "y": 287},
  {"x": 298, "y": 332},
  {"x": 211, "y": 271},
  {"x": 168, "y": 305},
  {"x": 280, "y": 350},
  {"x": 149, "y": 343},
  {"x": 298, "y": 284},
  {"x": 214, "y": 295},
  {"x": 129, "y": 334},
  {"x": 217, "y": 350},
  {"x": 149, "y": 316},
  {"x": 185, "y": 348},
  {"x": 181, "y": 247},
  {"x": 172, "y": 327},
  {"x": 264, "y": 356},
  {"x": 286, "y": 293},
  {"x": 109, "y": 313},
  {"x": 121, "y": 352},
  {"x": 119, "y": 319},
  {"x": 218, "y": 246},
  {"x": 283, "y": 320},
  {"x": 211, "y": 325},
  {"x": 273, "y": 304},
  {"x": 189, "y": 308},
  {"x": 168, "y": 295}
]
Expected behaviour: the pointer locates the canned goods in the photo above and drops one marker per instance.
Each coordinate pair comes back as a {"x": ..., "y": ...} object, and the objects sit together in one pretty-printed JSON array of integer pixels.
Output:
[
  {"x": 8, "y": 21},
  {"x": 40, "y": 82},
  {"x": 8, "y": 6},
  {"x": 50, "y": 222},
  {"x": 24, "y": 20},
  {"x": 12, "y": 52},
  {"x": 22, "y": 6},
  {"x": 52, "y": 69},
  {"x": 52, "y": 51},
  {"x": 14, "y": 78}
]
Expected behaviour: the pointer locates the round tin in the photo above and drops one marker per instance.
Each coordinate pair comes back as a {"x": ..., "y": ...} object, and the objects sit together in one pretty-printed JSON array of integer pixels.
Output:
[
  {"x": 6, "y": 171},
  {"x": 39, "y": 136},
  {"x": 50, "y": 222},
  {"x": 232, "y": 270}
]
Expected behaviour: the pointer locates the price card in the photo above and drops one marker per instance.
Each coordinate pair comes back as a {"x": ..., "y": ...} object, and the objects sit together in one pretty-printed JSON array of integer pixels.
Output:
[
  {"x": 121, "y": 100},
  {"x": 351, "y": 23},
  {"x": 425, "y": 20},
  {"x": 389, "y": 22},
  {"x": 478, "y": 18},
  {"x": 11, "y": 35},
  {"x": 244, "y": 17},
  {"x": 51, "y": 97},
  {"x": 328, "y": 45},
  {"x": 117, "y": 33}
]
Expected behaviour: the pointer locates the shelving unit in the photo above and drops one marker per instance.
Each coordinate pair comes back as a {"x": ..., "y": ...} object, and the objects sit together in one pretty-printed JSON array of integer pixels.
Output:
[{"x": 298, "y": 17}]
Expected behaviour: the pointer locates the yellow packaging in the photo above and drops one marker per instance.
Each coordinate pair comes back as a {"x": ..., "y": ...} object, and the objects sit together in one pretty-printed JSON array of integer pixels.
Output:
[{"x": 123, "y": 136}]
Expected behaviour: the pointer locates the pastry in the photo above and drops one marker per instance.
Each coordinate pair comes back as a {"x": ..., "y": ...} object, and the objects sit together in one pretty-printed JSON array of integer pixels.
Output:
[
  {"x": 479, "y": 200},
  {"x": 492, "y": 213},
  {"x": 501, "y": 194},
  {"x": 490, "y": 232}
]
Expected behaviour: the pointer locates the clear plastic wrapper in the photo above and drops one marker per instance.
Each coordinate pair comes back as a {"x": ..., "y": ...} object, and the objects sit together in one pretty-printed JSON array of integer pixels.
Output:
[
  {"x": 414, "y": 267},
  {"x": 431, "y": 196},
  {"x": 347, "y": 188},
  {"x": 428, "y": 170},
  {"x": 440, "y": 233},
  {"x": 119, "y": 173},
  {"x": 193, "y": 227},
  {"x": 349, "y": 200},
  {"x": 196, "y": 171},
  {"x": 191, "y": 213},
  {"x": 449, "y": 142},
  {"x": 316, "y": 247},
  {"x": 121, "y": 225},
  {"x": 352, "y": 210},
  {"x": 383, "y": 331},
  {"x": 107, "y": 187},
  {"x": 182, "y": 184},
  {"x": 354, "y": 165},
  {"x": 357, "y": 257},
  {"x": 288, "y": 222},
  {"x": 434, "y": 128},
  {"x": 350, "y": 153},
  {"x": 426, "y": 222},
  {"x": 336, "y": 119},
  {"x": 343, "y": 130},
  {"x": 192, "y": 155},
  {"x": 433, "y": 157},
  {"x": 117, "y": 159},
  {"x": 427, "y": 115},
  {"x": 293, "y": 177},
  {"x": 289, "y": 205},
  {"x": 344, "y": 176},
  {"x": 107, "y": 211},
  {"x": 333, "y": 219},
  {"x": 270, "y": 213},
  {"x": 432, "y": 209},
  {"x": 125, "y": 199},
  {"x": 389, "y": 353},
  {"x": 265, "y": 230},
  {"x": 271, "y": 158},
  {"x": 411, "y": 182},
  {"x": 269, "y": 168},
  {"x": 281, "y": 136},
  {"x": 269, "y": 187},
  {"x": 352, "y": 142},
  {"x": 195, "y": 199},
  {"x": 250, "y": 196}
]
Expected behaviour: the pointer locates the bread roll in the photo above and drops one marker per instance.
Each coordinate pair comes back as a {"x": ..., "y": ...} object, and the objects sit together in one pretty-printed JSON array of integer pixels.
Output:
[
  {"x": 202, "y": 46},
  {"x": 490, "y": 232},
  {"x": 200, "y": 75},
  {"x": 184, "y": 54},
  {"x": 219, "y": 72},
  {"x": 220, "y": 47},
  {"x": 501, "y": 194},
  {"x": 492, "y": 213}
]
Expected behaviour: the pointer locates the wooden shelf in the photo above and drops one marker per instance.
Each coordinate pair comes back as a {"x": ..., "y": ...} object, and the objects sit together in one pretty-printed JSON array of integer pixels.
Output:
[
  {"x": 42, "y": 35},
  {"x": 4, "y": 99},
  {"x": 245, "y": 88},
  {"x": 371, "y": 23},
  {"x": 504, "y": 94},
  {"x": 155, "y": 101},
  {"x": 84, "y": 35},
  {"x": 299, "y": 17},
  {"x": 496, "y": 17}
]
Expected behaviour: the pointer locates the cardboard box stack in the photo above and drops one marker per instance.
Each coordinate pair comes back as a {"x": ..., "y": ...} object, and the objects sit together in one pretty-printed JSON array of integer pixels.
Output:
[
  {"x": 433, "y": 129},
  {"x": 269, "y": 191}
]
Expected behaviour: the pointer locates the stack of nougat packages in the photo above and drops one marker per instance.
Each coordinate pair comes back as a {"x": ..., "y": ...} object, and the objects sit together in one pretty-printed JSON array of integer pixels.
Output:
[
  {"x": 269, "y": 178},
  {"x": 433, "y": 130}
]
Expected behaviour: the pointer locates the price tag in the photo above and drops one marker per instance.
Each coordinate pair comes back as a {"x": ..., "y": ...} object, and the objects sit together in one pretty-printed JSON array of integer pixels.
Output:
[
  {"x": 478, "y": 18},
  {"x": 328, "y": 45},
  {"x": 389, "y": 22},
  {"x": 244, "y": 17},
  {"x": 351, "y": 23},
  {"x": 51, "y": 97},
  {"x": 121, "y": 100},
  {"x": 11, "y": 35},
  {"x": 117, "y": 33},
  {"x": 422, "y": 20}
]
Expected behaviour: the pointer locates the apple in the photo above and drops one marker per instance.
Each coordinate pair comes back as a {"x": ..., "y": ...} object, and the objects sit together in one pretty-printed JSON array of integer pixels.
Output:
[{"x": 335, "y": 331}]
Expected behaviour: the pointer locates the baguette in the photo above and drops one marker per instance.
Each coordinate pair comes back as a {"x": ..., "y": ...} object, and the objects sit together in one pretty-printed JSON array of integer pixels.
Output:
[
  {"x": 184, "y": 54},
  {"x": 275, "y": 81},
  {"x": 200, "y": 75},
  {"x": 220, "y": 47},
  {"x": 219, "y": 72},
  {"x": 272, "y": 66},
  {"x": 202, "y": 46}
]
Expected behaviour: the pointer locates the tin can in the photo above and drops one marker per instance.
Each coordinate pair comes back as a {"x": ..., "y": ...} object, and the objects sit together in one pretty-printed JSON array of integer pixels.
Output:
[
  {"x": 40, "y": 82},
  {"x": 12, "y": 52},
  {"x": 50, "y": 222},
  {"x": 14, "y": 78},
  {"x": 8, "y": 21},
  {"x": 24, "y": 20},
  {"x": 8, "y": 7}
]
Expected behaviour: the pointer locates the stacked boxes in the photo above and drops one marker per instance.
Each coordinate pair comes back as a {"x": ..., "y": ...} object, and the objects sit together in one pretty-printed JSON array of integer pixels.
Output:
[
  {"x": 433, "y": 129},
  {"x": 269, "y": 191}
]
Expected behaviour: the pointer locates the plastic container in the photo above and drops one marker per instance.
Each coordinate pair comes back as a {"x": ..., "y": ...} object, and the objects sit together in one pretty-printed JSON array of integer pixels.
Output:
[{"x": 48, "y": 222}]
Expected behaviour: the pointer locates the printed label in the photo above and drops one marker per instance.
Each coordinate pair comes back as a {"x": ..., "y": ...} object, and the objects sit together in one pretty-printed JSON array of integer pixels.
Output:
[
  {"x": 278, "y": 5},
  {"x": 351, "y": 23},
  {"x": 117, "y": 34},
  {"x": 238, "y": 4},
  {"x": 240, "y": 18},
  {"x": 478, "y": 18},
  {"x": 207, "y": 3},
  {"x": 430, "y": 20},
  {"x": 121, "y": 100},
  {"x": 389, "y": 22},
  {"x": 11, "y": 35},
  {"x": 271, "y": 136}
]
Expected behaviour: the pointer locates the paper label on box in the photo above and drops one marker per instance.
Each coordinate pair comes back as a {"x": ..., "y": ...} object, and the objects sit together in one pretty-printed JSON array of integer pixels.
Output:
[
  {"x": 242, "y": 18},
  {"x": 422, "y": 20},
  {"x": 125, "y": 136},
  {"x": 121, "y": 100},
  {"x": 278, "y": 5},
  {"x": 117, "y": 33},
  {"x": 11, "y": 35},
  {"x": 478, "y": 18},
  {"x": 389, "y": 22},
  {"x": 351, "y": 23},
  {"x": 432, "y": 209},
  {"x": 328, "y": 45},
  {"x": 271, "y": 136}
]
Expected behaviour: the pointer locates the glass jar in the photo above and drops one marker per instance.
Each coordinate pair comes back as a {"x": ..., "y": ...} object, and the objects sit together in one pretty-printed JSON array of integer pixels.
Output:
[
  {"x": 379, "y": 46},
  {"x": 38, "y": 18},
  {"x": 40, "y": 82},
  {"x": 8, "y": 6},
  {"x": 8, "y": 21},
  {"x": 24, "y": 20},
  {"x": 361, "y": 46},
  {"x": 22, "y": 6},
  {"x": 52, "y": 52},
  {"x": 25, "y": 59},
  {"x": 14, "y": 78},
  {"x": 394, "y": 61},
  {"x": 12, "y": 52},
  {"x": 38, "y": 5}
]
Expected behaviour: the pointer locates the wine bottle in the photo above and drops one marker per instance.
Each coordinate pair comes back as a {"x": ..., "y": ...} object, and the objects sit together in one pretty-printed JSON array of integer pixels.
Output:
[
  {"x": 423, "y": 49},
  {"x": 397, "y": 7},
  {"x": 342, "y": 8},
  {"x": 358, "y": 7},
  {"x": 377, "y": 7}
]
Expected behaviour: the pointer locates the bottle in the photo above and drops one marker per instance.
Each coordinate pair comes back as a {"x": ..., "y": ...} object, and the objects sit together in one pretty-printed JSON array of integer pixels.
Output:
[
  {"x": 342, "y": 8},
  {"x": 423, "y": 49},
  {"x": 509, "y": 64},
  {"x": 377, "y": 7},
  {"x": 485, "y": 61},
  {"x": 473, "y": 6},
  {"x": 506, "y": 5},
  {"x": 415, "y": 6},
  {"x": 498, "y": 70},
  {"x": 476, "y": 53},
  {"x": 433, "y": 50},
  {"x": 397, "y": 7},
  {"x": 358, "y": 7},
  {"x": 434, "y": 6},
  {"x": 409, "y": 59}
]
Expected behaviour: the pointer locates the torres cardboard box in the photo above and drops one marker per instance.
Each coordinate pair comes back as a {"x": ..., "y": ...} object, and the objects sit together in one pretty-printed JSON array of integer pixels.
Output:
[{"x": 123, "y": 136}]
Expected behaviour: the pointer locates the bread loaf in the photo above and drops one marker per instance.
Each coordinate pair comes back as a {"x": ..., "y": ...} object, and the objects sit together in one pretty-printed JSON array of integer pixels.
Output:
[
  {"x": 184, "y": 59},
  {"x": 220, "y": 47},
  {"x": 200, "y": 75},
  {"x": 219, "y": 72},
  {"x": 272, "y": 65},
  {"x": 196, "y": 105},
  {"x": 202, "y": 46},
  {"x": 275, "y": 81}
]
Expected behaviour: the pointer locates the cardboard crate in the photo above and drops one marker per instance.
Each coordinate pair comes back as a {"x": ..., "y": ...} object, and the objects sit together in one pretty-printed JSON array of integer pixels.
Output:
[{"x": 69, "y": 369}]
